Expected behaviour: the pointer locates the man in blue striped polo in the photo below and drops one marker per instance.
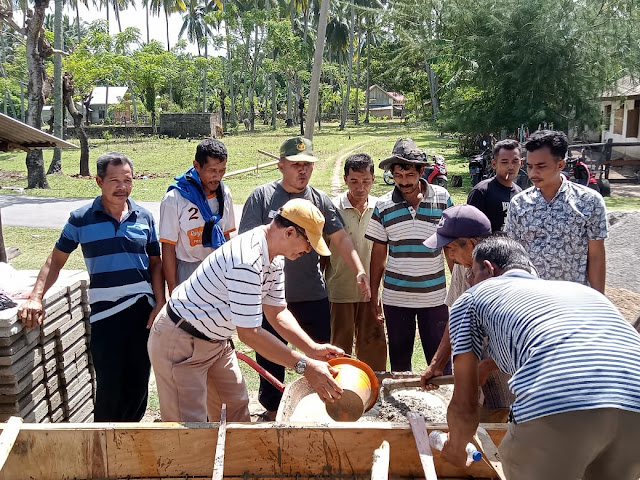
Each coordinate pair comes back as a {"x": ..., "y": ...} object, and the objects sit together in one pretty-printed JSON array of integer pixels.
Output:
[
  {"x": 575, "y": 371},
  {"x": 126, "y": 290},
  {"x": 414, "y": 281}
]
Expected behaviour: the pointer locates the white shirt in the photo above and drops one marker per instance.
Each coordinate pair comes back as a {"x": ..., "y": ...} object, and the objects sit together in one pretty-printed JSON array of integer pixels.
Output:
[
  {"x": 181, "y": 224},
  {"x": 230, "y": 286}
]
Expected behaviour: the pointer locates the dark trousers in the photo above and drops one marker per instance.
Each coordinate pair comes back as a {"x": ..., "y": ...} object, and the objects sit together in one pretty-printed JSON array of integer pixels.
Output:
[
  {"x": 314, "y": 318},
  {"x": 401, "y": 331},
  {"x": 121, "y": 362}
]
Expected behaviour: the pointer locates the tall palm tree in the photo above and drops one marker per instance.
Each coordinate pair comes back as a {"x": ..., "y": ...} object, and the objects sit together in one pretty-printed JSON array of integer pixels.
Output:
[
  {"x": 345, "y": 109},
  {"x": 168, "y": 7},
  {"x": 194, "y": 24},
  {"x": 317, "y": 69},
  {"x": 75, "y": 4}
]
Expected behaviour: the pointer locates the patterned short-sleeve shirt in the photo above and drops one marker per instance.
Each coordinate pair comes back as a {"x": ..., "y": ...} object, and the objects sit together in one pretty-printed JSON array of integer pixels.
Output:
[{"x": 556, "y": 234}]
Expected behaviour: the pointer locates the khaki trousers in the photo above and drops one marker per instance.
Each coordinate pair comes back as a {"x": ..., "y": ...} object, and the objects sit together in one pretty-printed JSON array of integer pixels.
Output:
[
  {"x": 195, "y": 377},
  {"x": 349, "y": 319},
  {"x": 600, "y": 444}
]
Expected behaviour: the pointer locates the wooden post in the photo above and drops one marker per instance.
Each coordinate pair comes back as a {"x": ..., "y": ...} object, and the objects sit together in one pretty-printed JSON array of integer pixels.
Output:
[
  {"x": 489, "y": 451},
  {"x": 380, "y": 465},
  {"x": 419, "y": 429},
  {"x": 218, "y": 462},
  {"x": 8, "y": 438},
  {"x": 3, "y": 251},
  {"x": 608, "y": 148}
]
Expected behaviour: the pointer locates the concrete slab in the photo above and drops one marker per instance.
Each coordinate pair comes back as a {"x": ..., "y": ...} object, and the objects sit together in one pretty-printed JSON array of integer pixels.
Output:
[
  {"x": 82, "y": 411},
  {"x": 11, "y": 353},
  {"x": 26, "y": 402},
  {"x": 11, "y": 393},
  {"x": 70, "y": 337},
  {"x": 14, "y": 372}
]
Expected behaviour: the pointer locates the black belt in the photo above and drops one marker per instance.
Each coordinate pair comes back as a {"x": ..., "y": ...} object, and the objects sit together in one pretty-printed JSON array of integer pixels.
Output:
[{"x": 186, "y": 326}]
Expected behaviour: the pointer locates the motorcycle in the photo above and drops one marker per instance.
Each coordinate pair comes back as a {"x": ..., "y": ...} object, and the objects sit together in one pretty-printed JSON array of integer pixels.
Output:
[
  {"x": 576, "y": 170},
  {"x": 480, "y": 166},
  {"x": 435, "y": 174}
]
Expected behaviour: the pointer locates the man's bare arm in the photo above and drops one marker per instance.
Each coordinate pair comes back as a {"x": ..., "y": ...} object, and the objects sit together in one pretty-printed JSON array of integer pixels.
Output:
[
  {"x": 462, "y": 414},
  {"x": 170, "y": 265},
  {"x": 31, "y": 312},
  {"x": 376, "y": 270},
  {"x": 596, "y": 264},
  {"x": 343, "y": 244}
]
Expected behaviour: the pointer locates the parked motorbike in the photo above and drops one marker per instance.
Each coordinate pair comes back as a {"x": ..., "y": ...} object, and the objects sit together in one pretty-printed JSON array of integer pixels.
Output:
[
  {"x": 435, "y": 173},
  {"x": 480, "y": 166},
  {"x": 576, "y": 170}
]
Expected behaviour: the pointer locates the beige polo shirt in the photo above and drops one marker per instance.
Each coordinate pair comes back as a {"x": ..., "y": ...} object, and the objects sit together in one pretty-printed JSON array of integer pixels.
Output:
[{"x": 341, "y": 281}]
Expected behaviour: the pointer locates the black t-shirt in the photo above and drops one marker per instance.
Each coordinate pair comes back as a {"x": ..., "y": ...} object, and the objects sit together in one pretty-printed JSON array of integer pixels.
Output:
[{"x": 492, "y": 198}]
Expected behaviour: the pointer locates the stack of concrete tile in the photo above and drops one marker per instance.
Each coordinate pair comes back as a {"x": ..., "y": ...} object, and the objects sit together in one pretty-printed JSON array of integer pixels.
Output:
[{"x": 45, "y": 373}]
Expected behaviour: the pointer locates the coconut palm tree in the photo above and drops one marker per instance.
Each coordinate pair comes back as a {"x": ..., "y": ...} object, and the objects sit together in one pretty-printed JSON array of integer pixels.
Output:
[
  {"x": 75, "y": 4},
  {"x": 194, "y": 24},
  {"x": 168, "y": 7}
]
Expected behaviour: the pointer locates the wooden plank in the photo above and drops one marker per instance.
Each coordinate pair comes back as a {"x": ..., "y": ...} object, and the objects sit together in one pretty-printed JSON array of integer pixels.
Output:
[
  {"x": 380, "y": 465},
  {"x": 218, "y": 461},
  {"x": 60, "y": 451},
  {"x": 417, "y": 422},
  {"x": 8, "y": 438},
  {"x": 489, "y": 451},
  {"x": 622, "y": 162},
  {"x": 250, "y": 169},
  {"x": 57, "y": 451}
]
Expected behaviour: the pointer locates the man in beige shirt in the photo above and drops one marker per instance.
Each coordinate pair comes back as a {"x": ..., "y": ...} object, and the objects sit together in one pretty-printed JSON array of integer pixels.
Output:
[{"x": 350, "y": 310}]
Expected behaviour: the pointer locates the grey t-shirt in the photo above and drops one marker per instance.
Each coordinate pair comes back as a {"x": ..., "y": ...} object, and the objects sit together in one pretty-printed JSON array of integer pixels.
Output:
[{"x": 303, "y": 280}]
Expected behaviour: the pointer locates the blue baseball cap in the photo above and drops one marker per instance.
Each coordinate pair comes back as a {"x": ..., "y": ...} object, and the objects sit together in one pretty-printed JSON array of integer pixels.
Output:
[{"x": 460, "y": 221}]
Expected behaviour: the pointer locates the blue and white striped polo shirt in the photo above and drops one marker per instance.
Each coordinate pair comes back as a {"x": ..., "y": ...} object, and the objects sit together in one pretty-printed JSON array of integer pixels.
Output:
[
  {"x": 566, "y": 346},
  {"x": 414, "y": 275},
  {"x": 116, "y": 255}
]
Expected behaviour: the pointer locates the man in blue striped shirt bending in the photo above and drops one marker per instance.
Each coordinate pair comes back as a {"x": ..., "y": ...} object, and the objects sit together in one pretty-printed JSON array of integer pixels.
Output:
[
  {"x": 575, "y": 366},
  {"x": 126, "y": 290}
]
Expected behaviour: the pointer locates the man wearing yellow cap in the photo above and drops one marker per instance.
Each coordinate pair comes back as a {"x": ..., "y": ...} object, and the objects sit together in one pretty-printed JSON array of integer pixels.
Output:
[
  {"x": 189, "y": 345},
  {"x": 305, "y": 288}
]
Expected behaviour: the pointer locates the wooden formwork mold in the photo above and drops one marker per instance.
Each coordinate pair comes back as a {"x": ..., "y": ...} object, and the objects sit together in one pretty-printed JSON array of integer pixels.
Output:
[{"x": 173, "y": 450}]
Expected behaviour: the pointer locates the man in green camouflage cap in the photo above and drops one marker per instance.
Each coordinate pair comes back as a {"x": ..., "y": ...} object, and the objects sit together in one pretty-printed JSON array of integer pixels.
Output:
[{"x": 305, "y": 289}]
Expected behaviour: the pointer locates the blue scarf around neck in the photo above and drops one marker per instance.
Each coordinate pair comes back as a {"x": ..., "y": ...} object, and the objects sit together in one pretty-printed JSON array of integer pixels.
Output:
[{"x": 190, "y": 187}]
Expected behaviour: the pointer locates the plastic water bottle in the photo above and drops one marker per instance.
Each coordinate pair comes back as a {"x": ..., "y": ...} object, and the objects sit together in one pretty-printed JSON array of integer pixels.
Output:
[{"x": 438, "y": 437}]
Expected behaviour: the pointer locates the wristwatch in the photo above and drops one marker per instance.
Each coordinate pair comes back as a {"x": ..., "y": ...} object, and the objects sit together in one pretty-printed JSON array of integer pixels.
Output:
[{"x": 301, "y": 365}]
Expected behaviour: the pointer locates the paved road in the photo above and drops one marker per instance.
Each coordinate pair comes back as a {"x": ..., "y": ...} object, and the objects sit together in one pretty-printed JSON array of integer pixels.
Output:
[{"x": 48, "y": 212}]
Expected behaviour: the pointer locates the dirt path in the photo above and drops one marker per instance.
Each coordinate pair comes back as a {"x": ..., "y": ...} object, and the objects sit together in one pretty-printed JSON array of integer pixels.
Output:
[{"x": 336, "y": 178}]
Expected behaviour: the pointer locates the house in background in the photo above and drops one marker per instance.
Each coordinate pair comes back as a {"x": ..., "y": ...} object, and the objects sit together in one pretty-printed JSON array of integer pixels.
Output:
[
  {"x": 621, "y": 115},
  {"x": 104, "y": 97},
  {"x": 385, "y": 104}
]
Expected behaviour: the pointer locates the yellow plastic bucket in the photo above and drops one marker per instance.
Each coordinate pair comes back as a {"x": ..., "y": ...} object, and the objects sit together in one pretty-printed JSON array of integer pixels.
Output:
[{"x": 360, "y": 389}]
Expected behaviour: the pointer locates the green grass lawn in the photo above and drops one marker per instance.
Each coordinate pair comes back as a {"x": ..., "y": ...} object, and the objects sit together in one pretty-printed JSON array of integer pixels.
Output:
[{"x": 159, "y": 160}]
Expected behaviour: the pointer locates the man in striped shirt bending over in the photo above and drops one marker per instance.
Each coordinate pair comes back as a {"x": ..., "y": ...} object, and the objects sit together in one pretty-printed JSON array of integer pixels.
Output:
[
  {"x": 575, "y": 367},
  {"x": 190, "y": 349}
]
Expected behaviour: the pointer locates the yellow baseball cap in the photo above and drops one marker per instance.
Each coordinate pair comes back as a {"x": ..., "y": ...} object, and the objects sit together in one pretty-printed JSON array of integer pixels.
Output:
[{"x": 308, "y": 217}]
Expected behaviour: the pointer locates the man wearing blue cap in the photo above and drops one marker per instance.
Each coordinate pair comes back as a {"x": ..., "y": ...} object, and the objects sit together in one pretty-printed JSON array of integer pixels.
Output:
[{"x": 459, "y": 231}]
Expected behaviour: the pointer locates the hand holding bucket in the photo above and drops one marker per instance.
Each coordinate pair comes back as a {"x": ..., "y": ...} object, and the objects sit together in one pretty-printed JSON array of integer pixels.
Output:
[{"x": 360, "y": 389}]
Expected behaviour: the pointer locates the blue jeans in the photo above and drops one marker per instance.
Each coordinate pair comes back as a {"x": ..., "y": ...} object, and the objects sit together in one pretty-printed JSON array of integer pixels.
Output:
[{"x": 401, "y": 331}]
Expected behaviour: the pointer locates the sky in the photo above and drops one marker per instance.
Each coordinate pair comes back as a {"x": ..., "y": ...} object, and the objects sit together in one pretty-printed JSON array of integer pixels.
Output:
[{"x": 131, "y": 18}]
